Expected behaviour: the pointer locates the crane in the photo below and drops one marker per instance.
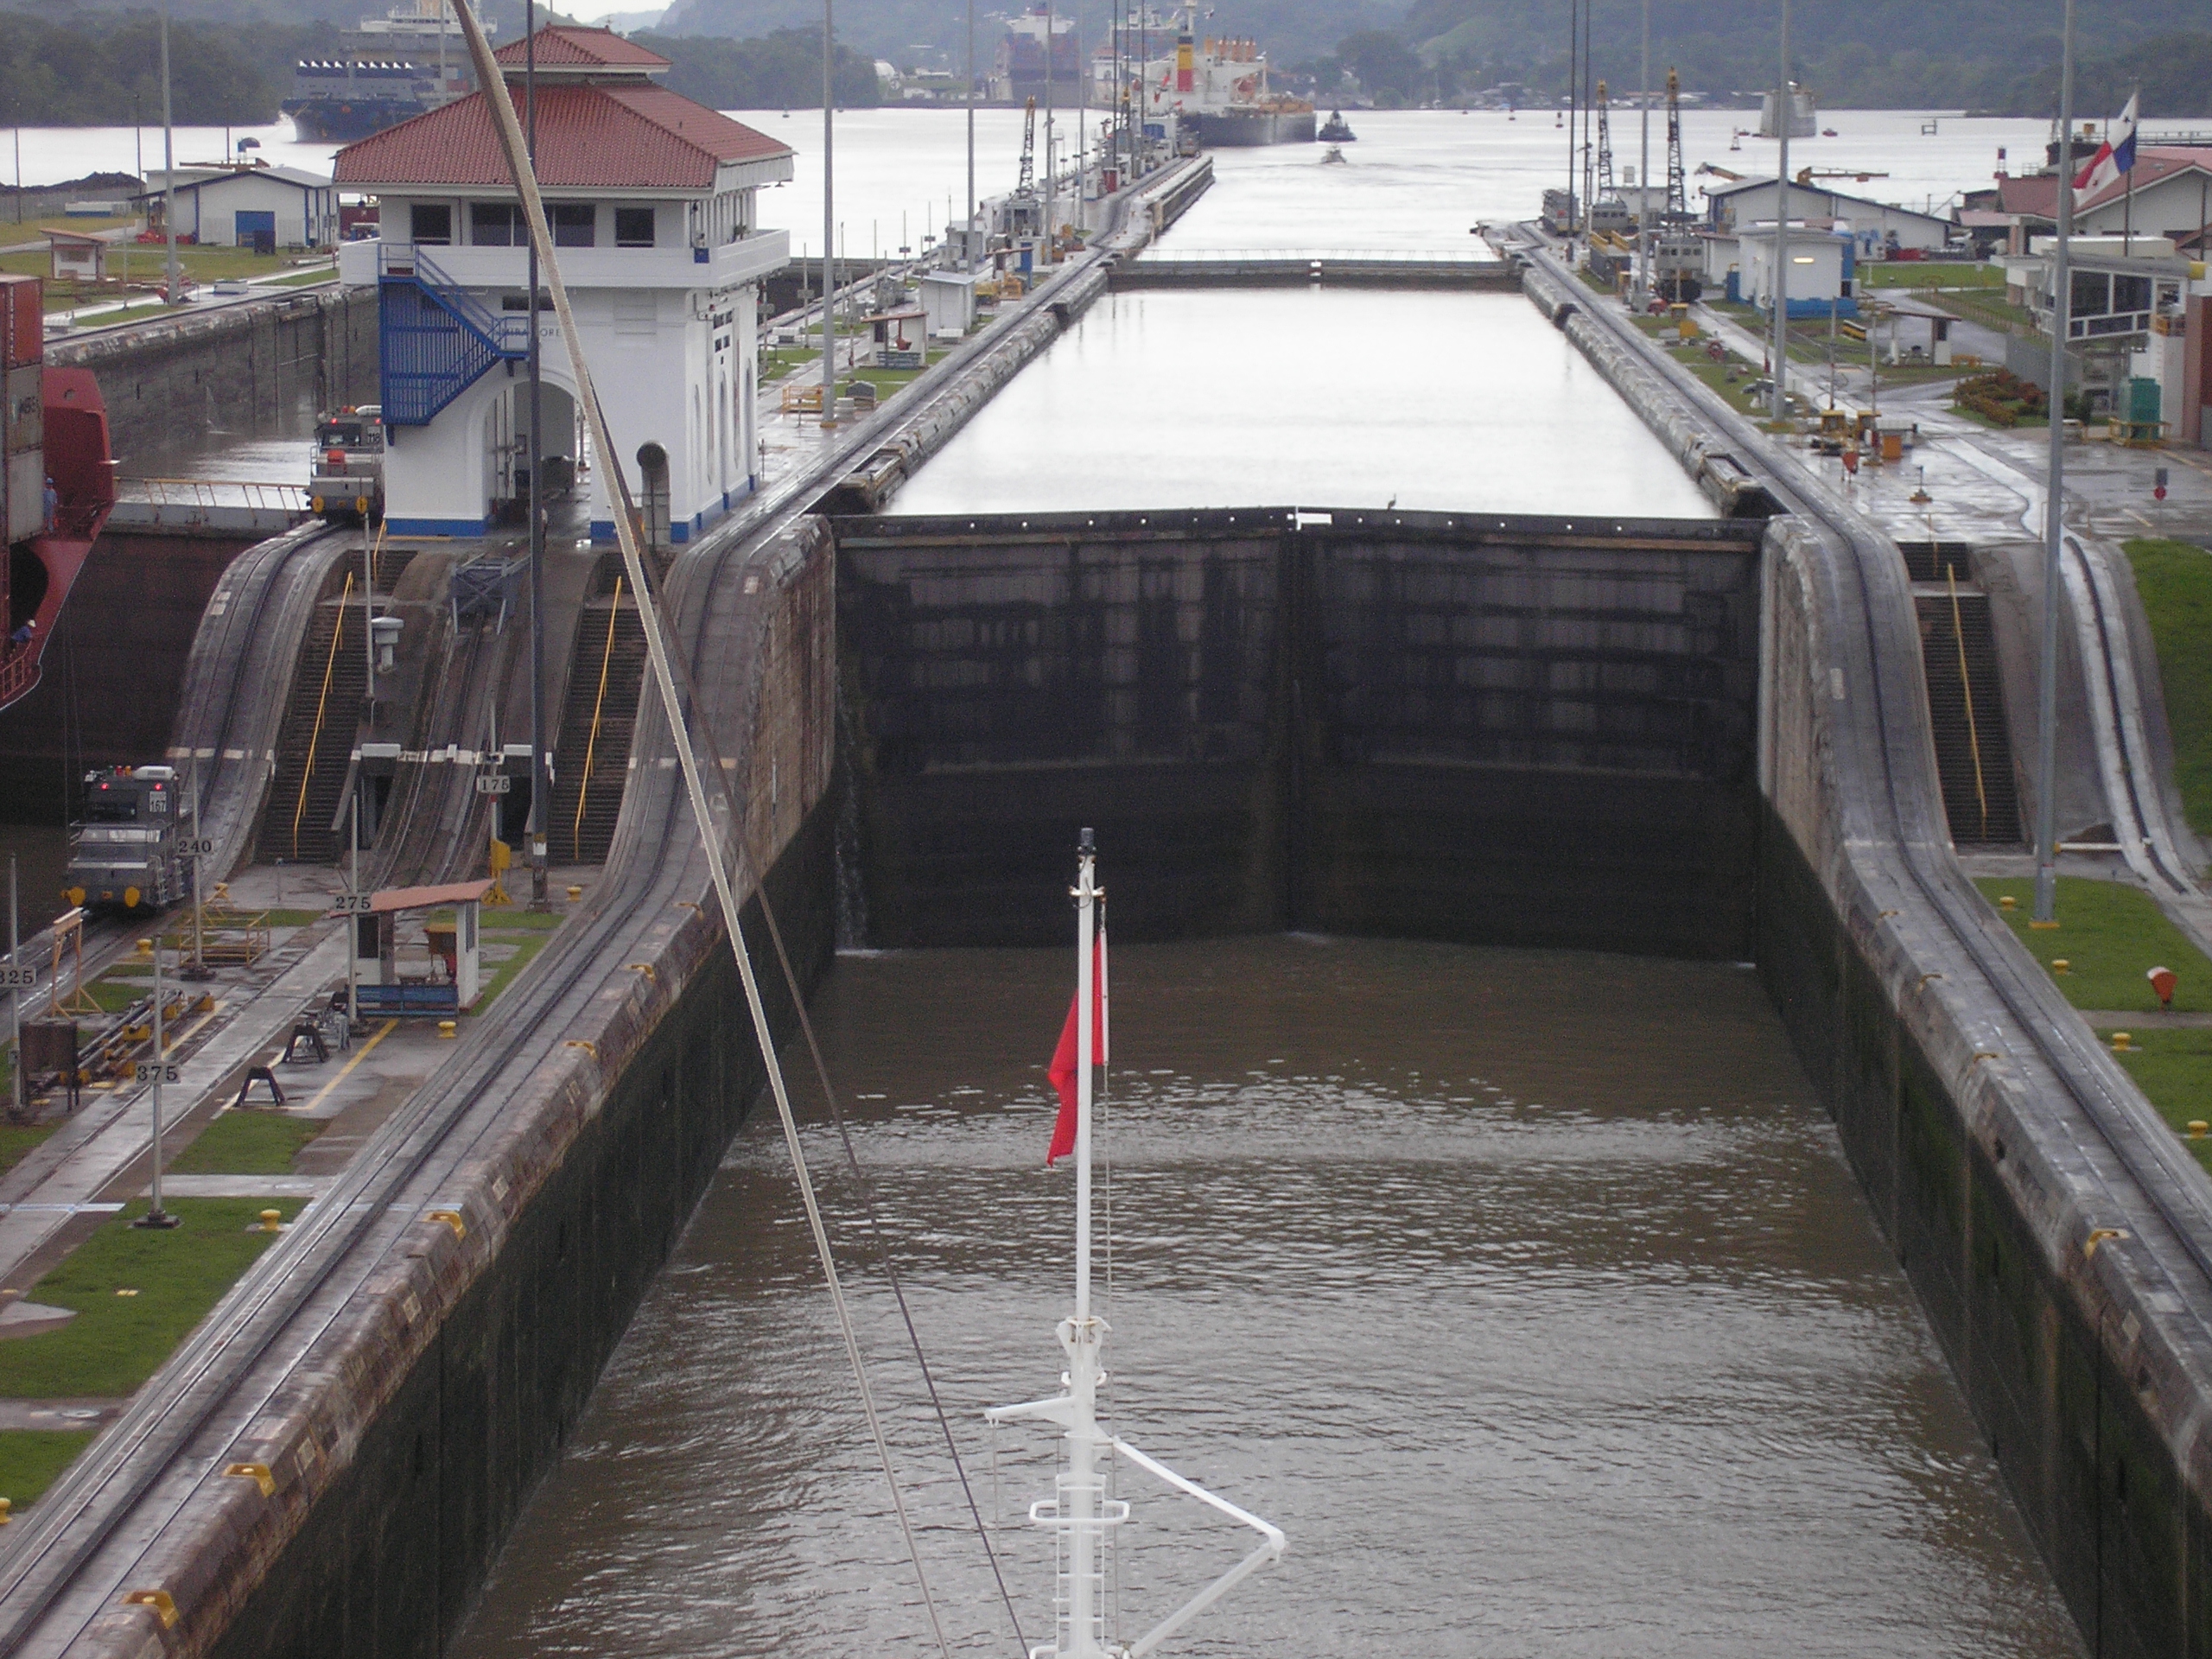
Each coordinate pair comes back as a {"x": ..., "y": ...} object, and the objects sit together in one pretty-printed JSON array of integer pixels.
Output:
[
  {"x": 1678, "y": 193},
  {"x": 1606, "y": 191},
  {"x": 1026, "y": 185}
]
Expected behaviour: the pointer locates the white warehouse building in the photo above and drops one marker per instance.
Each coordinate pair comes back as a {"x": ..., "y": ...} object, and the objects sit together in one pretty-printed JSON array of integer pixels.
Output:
[{"x": 651, "y": 203}]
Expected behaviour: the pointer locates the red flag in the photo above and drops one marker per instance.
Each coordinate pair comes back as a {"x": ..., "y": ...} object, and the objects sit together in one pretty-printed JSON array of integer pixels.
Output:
[{"x": 1062, "y": 1071}]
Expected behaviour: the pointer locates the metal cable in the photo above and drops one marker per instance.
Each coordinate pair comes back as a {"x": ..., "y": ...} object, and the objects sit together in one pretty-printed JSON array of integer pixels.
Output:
[{"x": 526, "y": 180}]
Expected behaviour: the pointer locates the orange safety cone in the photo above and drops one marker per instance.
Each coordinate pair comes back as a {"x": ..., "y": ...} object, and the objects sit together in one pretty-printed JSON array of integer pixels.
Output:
[{"x": 2162, "y": 982}]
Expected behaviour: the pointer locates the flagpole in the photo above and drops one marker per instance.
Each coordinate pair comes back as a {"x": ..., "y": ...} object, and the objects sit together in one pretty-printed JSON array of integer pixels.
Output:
[
  {"x": 2061, "y": 324},
  {"x": 2127, "y": 188},
  {"x": 1082, "y": 1509}
]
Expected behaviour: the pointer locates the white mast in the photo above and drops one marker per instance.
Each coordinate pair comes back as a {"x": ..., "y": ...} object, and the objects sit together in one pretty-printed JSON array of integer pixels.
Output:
[{"x": 1079, "y": 1514}]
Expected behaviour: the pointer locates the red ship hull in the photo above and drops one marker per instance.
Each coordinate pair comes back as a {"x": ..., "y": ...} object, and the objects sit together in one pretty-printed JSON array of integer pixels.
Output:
[{"x": 43, "y": 568}]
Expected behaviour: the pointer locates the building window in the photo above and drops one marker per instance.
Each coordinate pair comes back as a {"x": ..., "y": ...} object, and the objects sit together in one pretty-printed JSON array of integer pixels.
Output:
[
  {"x": 574, "y": 224},
  {"x": 496, "y": 225},
  {"x": 431, "y": 222},
  {"x": 633, "y": 227}
]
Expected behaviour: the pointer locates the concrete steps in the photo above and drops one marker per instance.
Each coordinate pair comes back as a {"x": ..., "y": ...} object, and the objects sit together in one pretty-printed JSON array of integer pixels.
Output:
[
  {"x": 1980, "y": 801},
  {"x": 316, "y": 743},
  {"x": 592, "y": 763}
]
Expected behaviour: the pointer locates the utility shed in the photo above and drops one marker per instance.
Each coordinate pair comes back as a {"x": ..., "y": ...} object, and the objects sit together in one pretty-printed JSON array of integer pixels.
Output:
[
  {"x": 76, "y": 257},
  {"x": 948, "y": 302},
  {"x": 261, "y": 207},
  {"x": 444, "y": 978}
]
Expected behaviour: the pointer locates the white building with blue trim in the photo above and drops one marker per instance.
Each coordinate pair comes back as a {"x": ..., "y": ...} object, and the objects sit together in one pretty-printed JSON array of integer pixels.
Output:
[{"x": 651, "y": 200}]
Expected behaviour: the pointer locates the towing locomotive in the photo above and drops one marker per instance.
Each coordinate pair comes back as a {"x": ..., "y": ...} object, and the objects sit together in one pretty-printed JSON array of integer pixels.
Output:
[{"x": 126, "y": 852}]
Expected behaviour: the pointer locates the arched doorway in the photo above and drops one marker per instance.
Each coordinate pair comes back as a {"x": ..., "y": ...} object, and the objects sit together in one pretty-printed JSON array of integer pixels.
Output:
[{"x": 509, "y": 452}]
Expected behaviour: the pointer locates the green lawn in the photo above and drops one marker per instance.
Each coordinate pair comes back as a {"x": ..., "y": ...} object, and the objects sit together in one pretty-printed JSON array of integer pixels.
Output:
[
  {"x": 117, "y": 1342},
  {"x": 2174, "y": 1070},
  {"x": 16, "y": 1143},
  {"x": 307, "y": 279},
  {"x": 31, "y": 1457},
  {"x": 248, "y": 1143},
  {"x": 2175, "y": 579},
  {"x": 528, "y": 934},
  {"x": 1908, "y": 273},
  {"x": 2110, "y": 937}
]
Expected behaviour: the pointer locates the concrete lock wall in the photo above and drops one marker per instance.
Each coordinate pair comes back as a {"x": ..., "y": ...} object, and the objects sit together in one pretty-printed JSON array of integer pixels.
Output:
[
  {"x": 2059, "y": 1237},
  {"x": 1519, "y": 731},
  {"x": 230, "y": 367}
]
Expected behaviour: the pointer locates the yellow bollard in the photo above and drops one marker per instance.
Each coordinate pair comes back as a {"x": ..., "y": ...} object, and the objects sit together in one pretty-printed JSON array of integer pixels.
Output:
[
  {"x": 2121, "y": 1042},
  {"x": 575, "y": 893},
  {"x": 272, "y": 1221},
  {"x": 2005, "y": 903},
  {"x": 449, "y": 1028},
  {"x": 2060, "y": 965},
  {"x": 4, "y": 1507},
  {"x": 146, "y": 948},
  {"x": 2197, "y": 1127}
]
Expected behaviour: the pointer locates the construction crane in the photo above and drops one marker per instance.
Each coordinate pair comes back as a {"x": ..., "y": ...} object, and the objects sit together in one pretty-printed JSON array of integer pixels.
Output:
[
  {"x": 1678, "y": 193},
  {"x": 1606, "y": 191},
  {"x": 1026, "y": 185},
  {"x": 1806, "y": 174}
]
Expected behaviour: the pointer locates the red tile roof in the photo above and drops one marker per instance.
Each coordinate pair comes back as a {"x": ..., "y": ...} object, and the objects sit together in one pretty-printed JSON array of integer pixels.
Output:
[
  {"x": 2151, "y": 166},
  {"x": 2033, "y": 197},
  {"x": 635, "y": 137},
  {"x": 572, "y": 46}
]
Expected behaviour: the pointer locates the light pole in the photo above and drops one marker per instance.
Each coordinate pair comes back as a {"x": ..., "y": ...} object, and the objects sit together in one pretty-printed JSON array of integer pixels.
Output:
[
  {"x": 541, "y": 766},
  {"x": 169, "y": 164},
  {"x": 1781, "y": 285},
  {"x": 828, "y": 227},
  {"x": 968, "y": 236},
  {"x": 156, "y": 1215},
  {"x": 2062, "y": 310},
  {"x": 1644, "y": 176}
]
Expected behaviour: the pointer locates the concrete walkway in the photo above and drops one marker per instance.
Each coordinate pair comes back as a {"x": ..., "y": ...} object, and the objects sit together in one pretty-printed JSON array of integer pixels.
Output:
[{"x": 85, "y": 1161}]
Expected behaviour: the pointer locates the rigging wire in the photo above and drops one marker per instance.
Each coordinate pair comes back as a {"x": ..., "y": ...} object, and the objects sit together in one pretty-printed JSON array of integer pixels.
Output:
[{"x": 526, "y": 180}]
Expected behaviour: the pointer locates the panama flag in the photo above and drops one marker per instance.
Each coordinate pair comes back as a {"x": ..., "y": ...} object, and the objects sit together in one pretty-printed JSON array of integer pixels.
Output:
[
  {"x": 2114, "y": 157},
  {"x": 1062, "y": 1071}
]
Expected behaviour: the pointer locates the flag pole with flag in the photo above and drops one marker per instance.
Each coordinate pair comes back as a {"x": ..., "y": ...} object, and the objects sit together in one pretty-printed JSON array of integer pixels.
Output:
[
  {"x": 1081, "y": 1513},
  {"x": 2114, "y": 160}
]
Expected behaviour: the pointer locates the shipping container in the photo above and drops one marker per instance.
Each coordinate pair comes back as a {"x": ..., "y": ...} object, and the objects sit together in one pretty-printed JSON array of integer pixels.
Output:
[{"x": 23, "y": 320}]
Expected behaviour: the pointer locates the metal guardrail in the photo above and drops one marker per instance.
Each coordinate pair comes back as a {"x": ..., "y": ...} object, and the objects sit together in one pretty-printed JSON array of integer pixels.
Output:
[
  {"x": 1165, "y": 255},
  {"x": 200, "y": 493}
]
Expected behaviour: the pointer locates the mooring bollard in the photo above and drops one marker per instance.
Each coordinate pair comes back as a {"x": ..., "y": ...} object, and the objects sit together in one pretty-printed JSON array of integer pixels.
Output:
[
  {"x": 449, "y": 1028},
  {"x": 272, "y": 1221}
]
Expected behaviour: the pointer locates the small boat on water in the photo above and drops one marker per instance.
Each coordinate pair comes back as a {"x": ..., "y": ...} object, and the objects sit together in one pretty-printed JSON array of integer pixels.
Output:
[{"x": 1336, "y": 129}]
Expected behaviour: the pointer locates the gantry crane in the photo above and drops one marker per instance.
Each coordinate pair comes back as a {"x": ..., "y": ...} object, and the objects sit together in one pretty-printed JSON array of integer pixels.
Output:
[
  {"x": 1606, "y": 191},
  {"x": 1678, "y": 193}
]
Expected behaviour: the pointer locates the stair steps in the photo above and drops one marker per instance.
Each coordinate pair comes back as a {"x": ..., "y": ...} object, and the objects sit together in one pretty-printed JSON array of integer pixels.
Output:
[
  {"x": 610, "y": 652},
  {"x": 314, "y": 745},
  {"x": 1982, "y": 811}
]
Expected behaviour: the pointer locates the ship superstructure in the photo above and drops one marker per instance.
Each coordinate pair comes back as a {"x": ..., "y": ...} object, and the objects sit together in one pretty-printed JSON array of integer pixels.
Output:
[
  {"x": 393, "y": 68},
  {"x": 1216, "y": 90}
]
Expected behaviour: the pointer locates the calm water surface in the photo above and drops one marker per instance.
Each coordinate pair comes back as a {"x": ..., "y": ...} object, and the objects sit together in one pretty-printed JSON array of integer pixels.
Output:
[
  {"x": 1527, "y": 1292},
  {"x": 1308, "y": 396}
]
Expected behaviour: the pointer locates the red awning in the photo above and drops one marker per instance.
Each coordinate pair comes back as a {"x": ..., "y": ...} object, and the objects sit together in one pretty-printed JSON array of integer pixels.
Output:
[{"x": 454, "y": 893}]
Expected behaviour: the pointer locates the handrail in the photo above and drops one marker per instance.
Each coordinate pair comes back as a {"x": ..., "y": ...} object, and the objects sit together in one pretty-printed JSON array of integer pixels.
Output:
[
  {"x": 507, "y": 335},
  {"x": 1966, "y": 690},
  {"x": 205, "y": 493},
  {"x": 591, "y": 743},
  {"x": 321, "y": 705}
]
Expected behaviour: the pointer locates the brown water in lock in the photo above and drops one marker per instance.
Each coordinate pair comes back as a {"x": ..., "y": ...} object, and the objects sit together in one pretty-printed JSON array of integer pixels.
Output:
[{"x": 1529, "y": 1293}]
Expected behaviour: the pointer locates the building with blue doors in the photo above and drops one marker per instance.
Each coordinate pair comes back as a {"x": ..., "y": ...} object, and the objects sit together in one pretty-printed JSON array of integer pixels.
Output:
[
  {"x": 247, "y": 206},
  {"x": 652, "y": 200}
]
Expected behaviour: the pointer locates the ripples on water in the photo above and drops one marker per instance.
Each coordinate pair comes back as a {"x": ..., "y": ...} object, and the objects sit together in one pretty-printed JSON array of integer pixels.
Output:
[{"x": 1527, "y": 1292}]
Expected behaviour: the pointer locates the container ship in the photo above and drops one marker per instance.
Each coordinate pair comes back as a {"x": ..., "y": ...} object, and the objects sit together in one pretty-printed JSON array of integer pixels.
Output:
[
  {"x": 1218, "y": 94},
  {"x": 57, "y": 483},
  {"x": 396, "y": 66}
]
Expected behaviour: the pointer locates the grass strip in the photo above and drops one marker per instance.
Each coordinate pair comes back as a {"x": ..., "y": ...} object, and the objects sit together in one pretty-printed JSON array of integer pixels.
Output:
[
  {"x": 117, "y": 1342},
  {"x": 247, "y": 1143},
  {"x": 526, "y": 946},
  {"x": 30, "y": 1458},
  {"x": 2175, "y": 579},
  {"x": 2173, "y": 1068},
  {"x": 17, "y": 1142},
  {"x": 2110, "y": 935}
]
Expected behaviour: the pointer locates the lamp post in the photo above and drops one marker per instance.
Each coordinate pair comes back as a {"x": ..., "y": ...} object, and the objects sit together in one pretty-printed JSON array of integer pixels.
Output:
[
  {"x": 2061, "y": 309},
  {"x": 1781, "y": 284},
  {"x": 967, "y": 236},
  {"x": 541, "y": 766},
  {"x": 169, "y": 164},
  {"x": 1644, "y": 176},
  {"x": 829, "y": 226}
]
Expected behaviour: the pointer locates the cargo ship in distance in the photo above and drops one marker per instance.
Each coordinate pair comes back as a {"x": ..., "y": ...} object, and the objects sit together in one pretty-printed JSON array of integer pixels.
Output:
[
  {"x": 1218, "y": 92},
  {"x": 395, "y": 67}
]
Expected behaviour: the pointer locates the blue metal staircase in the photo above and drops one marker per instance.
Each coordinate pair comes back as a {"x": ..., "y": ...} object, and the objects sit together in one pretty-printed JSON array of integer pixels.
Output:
[{"x": 434, "y": 340}]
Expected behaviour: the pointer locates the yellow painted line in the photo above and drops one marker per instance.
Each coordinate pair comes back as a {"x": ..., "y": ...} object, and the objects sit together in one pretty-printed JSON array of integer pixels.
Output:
[{"x": 346, "y": 1070}]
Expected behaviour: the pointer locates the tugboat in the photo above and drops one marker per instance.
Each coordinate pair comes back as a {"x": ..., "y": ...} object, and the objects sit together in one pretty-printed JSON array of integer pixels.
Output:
[
  {"x": 57, "y": 486},
  {"x": 1336, "y": 129}
]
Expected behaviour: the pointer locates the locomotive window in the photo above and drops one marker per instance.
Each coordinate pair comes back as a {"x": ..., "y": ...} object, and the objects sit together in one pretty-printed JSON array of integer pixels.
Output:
[
  {"x": 111, "y": 809},
  {"x": 344, "y": 435}
]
